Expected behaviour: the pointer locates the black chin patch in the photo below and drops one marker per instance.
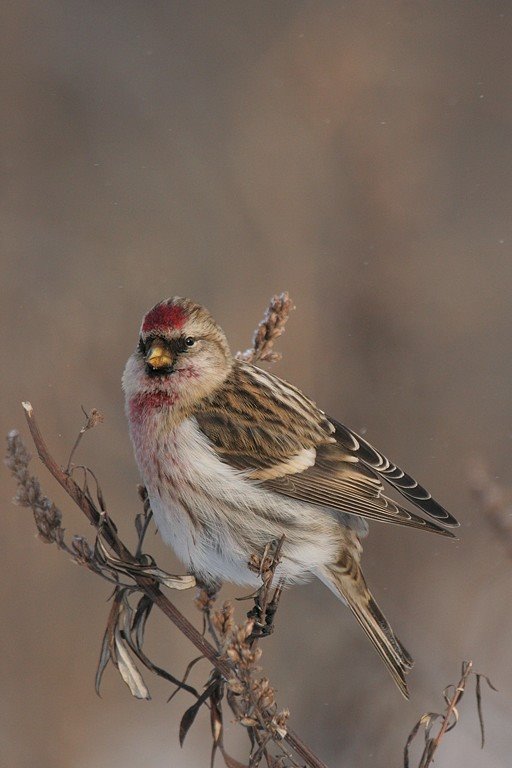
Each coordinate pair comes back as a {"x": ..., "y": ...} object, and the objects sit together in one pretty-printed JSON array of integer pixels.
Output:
[{"x": 157, "y": 372}]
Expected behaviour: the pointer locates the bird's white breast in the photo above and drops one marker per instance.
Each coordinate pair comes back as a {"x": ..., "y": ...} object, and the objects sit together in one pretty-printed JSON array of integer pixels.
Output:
[{"x": 214, "y": 516}]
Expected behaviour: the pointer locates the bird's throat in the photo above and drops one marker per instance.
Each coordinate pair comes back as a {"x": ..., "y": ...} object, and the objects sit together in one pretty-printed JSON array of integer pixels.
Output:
[{"x": 145, "y": 403}]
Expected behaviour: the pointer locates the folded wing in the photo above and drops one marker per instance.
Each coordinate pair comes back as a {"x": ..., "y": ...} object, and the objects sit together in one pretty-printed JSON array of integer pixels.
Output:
[{"x": 266, "y": 427}]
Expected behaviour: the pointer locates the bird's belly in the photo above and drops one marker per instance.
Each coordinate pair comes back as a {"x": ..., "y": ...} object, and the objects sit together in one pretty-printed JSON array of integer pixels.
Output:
[
  {"x": 215, "y": 518},
  {"x": 206, "y": 548},
  {"x": 216, "y": 542}
]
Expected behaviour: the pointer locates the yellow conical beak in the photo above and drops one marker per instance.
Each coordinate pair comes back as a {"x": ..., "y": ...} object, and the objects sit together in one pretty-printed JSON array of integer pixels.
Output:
[{"x": 158, "y": 356}]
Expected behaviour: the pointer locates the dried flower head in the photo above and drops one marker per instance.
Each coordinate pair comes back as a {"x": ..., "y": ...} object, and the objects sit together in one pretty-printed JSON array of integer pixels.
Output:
[
  {"x": 47, "y": 516},
  {"x": 268, "y": 331},
  {"x": 223, "y": 620}
]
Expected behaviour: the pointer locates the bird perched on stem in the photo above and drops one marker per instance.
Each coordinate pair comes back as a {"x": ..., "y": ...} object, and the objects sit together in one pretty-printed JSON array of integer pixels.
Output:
[{"x": 233, "y": 458}]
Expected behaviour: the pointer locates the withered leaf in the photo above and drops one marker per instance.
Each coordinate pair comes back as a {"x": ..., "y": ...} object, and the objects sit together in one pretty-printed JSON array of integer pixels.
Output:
[
  {"x": 140, "y": 523},
  {"x": 133, "y": 633},
  {"x": 103, "y": 661},
  {"x": 479, "y": 704},
  {"x": 128, "y": 670},
  {"x": 182, "y": 683},
  {"x": 216, "y": 720},
  {"x": 115, "y": 647},
  {"x": 108, "y": 643},
  {"x": 171, "y": 581},
  {"x": 188, "y": 718},
  {"x": 230, "y": 761},
  {"x": 142, "y": 612},
  {"x": 191, "y": 713}
]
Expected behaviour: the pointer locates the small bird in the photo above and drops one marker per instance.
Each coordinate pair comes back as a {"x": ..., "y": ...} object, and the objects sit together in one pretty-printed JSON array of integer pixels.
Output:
[{"x": 234, "y": 458}]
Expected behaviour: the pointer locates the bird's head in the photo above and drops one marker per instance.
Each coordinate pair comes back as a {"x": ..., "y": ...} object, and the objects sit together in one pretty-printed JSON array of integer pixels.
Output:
[{"x": 182, "y": 357}]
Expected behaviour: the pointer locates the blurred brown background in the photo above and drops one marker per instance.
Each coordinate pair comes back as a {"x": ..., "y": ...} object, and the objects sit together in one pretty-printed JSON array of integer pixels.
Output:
[{"x": 357, "y": 154}]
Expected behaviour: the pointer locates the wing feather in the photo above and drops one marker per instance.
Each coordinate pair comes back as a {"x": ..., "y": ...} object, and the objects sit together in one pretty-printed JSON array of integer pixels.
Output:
[
  {"x": 404, "y": 483},
  {"x": 262, "y": 425}
]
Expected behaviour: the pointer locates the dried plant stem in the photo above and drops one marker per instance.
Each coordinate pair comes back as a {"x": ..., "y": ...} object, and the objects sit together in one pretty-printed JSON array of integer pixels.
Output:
[
  {"x": 452, "y": 695},
  {"x": 93, "y": 418},
  {"x": 451, "y": 714},
  {"x": 146, "y": 584}
]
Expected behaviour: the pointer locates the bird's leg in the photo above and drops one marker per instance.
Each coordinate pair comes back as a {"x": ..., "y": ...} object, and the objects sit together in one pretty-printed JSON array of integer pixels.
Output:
[
  {"x": 264, "y": 623},
  {"x": 255, "y": 613},
  {"x": 272, "y": 607},
  {"x": 264, "y": 608}
]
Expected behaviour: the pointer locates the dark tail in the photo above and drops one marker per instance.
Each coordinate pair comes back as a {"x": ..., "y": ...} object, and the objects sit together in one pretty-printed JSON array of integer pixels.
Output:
[{"x": 346, "y": 580}]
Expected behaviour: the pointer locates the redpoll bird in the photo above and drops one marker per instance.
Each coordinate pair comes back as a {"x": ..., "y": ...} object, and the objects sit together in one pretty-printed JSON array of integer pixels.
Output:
[{"x": 233, "y": 458}]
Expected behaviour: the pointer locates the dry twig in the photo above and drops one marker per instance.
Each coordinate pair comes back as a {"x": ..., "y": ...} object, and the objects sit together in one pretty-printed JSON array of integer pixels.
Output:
[
  {"x": 235, "y": 656},
  {"x": 250, "y": 697},
  {"x": 452, "y": 695}
]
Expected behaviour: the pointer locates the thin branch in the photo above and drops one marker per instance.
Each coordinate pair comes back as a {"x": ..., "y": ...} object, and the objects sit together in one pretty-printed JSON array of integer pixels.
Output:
[
  {"x": 143, "y": 519},
  {"x": 92, "y": 419},
  {"x": 451, "y": 715},
  {"x": 448, "y": 719}
]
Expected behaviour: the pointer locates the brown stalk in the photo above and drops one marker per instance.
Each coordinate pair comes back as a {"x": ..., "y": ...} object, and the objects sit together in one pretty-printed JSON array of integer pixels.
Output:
[
  {"x": 448, "y": 719},
  {"x": 451, "y": 714}
]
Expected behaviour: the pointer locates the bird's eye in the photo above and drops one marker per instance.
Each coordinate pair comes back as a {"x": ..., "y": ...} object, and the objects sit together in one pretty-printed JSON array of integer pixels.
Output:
[
  {"x": 142, "y": 346},
  {"x": 189, "y": 341}
]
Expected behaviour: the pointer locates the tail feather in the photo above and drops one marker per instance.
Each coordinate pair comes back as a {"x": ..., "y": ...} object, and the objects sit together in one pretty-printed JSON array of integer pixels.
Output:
[{"x": 346, "y": 580}]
